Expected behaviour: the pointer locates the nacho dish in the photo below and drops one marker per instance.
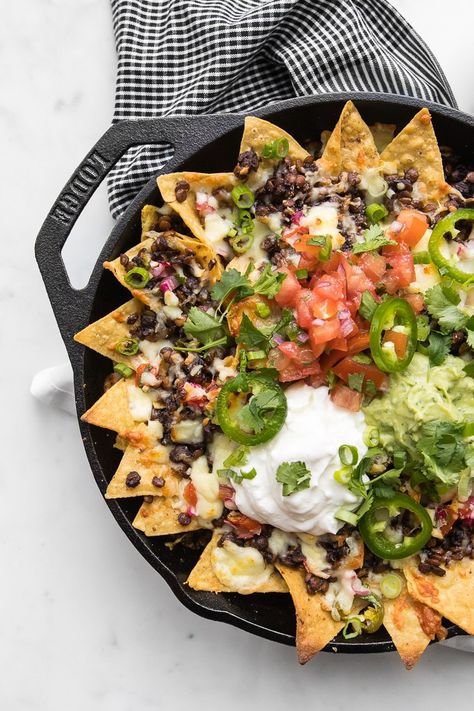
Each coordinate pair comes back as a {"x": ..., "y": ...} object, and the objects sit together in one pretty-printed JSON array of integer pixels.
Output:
[{"x": 294, "y": 375}]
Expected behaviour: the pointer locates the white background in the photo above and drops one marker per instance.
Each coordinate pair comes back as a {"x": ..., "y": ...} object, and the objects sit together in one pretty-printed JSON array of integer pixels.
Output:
[{"x": 85, "y": 622}]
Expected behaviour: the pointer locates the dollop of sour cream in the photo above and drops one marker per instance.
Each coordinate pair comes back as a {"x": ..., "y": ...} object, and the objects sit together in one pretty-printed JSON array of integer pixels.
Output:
[{"x": 314, "y": 430}]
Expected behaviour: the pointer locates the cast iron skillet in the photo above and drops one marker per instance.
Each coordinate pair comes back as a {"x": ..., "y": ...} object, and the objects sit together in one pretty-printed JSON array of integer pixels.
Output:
[{"x": 207, "y": 144}]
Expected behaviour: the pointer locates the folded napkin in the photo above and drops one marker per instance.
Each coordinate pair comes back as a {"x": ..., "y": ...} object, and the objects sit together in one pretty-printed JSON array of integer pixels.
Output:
[{"x": 210, "y": 56}]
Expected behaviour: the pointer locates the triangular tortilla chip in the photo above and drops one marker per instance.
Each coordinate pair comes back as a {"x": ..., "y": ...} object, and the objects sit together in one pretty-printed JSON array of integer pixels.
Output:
[
  {"x": 351, "y": 145},
  {"x": 416, "y": 146},
  {"x": 204, "y": 254},
  {"x": 206, "y": 182},
  {"x": 202, "y": 576},
  {"x": 103, "y": 335},
  {"x": 258, "y": 132},
  {"x": 112, "y": 412},
  {"x": 148, "y": 464},
  {"x": 402, "y": 622},
  {"x": 149, "y": 219},
  {"x": 451, "y": 595},
  {"x": 315, "y": 627},
  {"x": 159, "y": 518}
]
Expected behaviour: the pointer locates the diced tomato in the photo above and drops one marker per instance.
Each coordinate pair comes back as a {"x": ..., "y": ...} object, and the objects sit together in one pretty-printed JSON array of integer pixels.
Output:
[
  {"x": 324, "y": 332},
  {"x": 358, "y": 343},
  {"x": 349, "y": 366},
  {"x": 304, "y": 304},
  {"x": 399, "y": 340},
  {"x": 329, "y": 359},
  {"x": 226, "y": 492},
  {"x": 339, "y": 344},
  {"x": 332, "y": 264},
  {"x": 358, "y": 282},
  {"x": 373, "y": 265},
  {"x": 402, "y": 268},
  {"x": 300, "y": 243},
  {"x": 289, "y": 290},
  {"x": 245, "y": 526},
  {"x": 414, "y": 225},
  {"x": 138, "y": 373},
  {"x": 293, "y": 362},
  {"x": 329, "y": 286},
  {"x": 190, "y": 495},
  {"x": 325, "y": 308},
  {"x": 342, "y": 396},
  {"x": 416, "y": 301},
  {"x": 317, "y": 380}
]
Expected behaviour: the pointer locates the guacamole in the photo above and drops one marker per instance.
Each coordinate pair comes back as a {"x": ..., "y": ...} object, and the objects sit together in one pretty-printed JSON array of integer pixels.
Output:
[{"x": 441, "y": 395}]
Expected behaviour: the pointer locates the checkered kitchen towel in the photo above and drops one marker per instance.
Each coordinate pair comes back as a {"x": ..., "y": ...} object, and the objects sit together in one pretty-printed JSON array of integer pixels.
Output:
[{"x": 208, "y": 56}]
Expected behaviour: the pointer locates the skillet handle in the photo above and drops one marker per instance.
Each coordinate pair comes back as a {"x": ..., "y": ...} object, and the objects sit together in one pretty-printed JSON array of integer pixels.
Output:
[{"x": 71, "y": 305}]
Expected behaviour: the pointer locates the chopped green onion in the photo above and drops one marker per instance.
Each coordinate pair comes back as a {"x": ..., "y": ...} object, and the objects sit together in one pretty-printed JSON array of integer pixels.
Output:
[
  {"x": 263, "y": 309},
  {"x": 245, "y": 221},
  {"x": 399, "y": 459},
  {"x": 242, "y": 196},
  {"x": 138, "y": 277},
  {"x": 356, "y": 625},
  {"x": 276, "y": 149},
  {"x": 343, "y": 476},
  {"x": 241, "y": 243},
  {"x": 346, "y": 516},
  {"x": 127, "y": 346},
  {"x": 348, "y": 455},
  {"x": 232, "y": 232},
  {"x": 372, "y": 437},
  {"x": 464, "y": 485},
  {"x": 256, "y": 355},
  {"x": 123, "y": 370},
  {"x": 391, "y": 585},
  {"x": 375, "y": 212},
  {"x": 468, "y": 430},
  {"x": 421, "y": 258},
  {"x": 362, "y": 358},
  {"x": 301, "y": 273}
]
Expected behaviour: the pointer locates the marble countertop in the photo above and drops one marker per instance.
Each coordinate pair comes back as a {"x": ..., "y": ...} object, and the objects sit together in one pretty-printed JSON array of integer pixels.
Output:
[{"x": 85, "y": 622}]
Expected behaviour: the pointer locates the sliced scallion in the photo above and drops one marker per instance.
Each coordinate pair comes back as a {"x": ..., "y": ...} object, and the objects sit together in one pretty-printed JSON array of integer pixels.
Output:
[
  {"x": 391, "y": 586},
  {"x": 138, "y": 277},
  {"x": 242, "y": 196},
  {"x": 123, "y": 370},
  {"x": 348, "y": 455}
]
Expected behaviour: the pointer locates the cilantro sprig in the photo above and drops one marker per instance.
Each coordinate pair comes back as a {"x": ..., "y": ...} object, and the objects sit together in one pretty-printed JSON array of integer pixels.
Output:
[
  {"x": 374, "y": 238},
  {"x": 294, "y": 476}
]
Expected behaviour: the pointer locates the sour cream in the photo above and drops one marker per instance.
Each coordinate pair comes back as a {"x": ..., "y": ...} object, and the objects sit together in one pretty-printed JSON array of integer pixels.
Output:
[{"x": 314, "y": 430}]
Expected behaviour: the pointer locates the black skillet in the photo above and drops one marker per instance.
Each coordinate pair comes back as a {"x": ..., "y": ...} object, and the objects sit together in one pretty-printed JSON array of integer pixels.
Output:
[{"x": 206, "y": 144}]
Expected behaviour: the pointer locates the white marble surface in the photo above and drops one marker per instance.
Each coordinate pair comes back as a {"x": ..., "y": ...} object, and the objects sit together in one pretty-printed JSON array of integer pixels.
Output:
[{"x": 85, "y": 623}]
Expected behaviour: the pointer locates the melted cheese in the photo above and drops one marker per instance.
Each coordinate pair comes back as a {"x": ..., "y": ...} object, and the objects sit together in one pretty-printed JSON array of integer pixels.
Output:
[
  {"x": 241, "y": 569},
  {"x": 139, "y": 403},
  {"x": 216, "y": 229},
  {"x": 155, "y": 428},
  {"x": 322, "y": 220},
  {"x": 188, "y": 432},
  {"x": 209, "y": 506},
  {"x": 151, "y": 349}
]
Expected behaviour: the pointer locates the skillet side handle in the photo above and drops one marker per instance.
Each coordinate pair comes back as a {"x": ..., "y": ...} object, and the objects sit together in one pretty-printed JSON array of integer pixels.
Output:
[{"x": 70, "y": 304}]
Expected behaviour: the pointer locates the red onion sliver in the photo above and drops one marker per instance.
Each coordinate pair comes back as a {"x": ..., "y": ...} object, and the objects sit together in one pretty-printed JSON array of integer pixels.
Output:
[
  {"x": 169, "y": 284},
  {"x": 302, "y": 337}
]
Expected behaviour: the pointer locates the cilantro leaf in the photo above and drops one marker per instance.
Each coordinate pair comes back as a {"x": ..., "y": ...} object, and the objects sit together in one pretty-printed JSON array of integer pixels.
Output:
[
  {"x": 238, "y": 477},
  {"x": 295, "y": 476},
  {"x": 423, "y": 327},
  {"x": 367, "y": 305},
  {"x": 438, "y": 347},
  {"x": 252, "y": 415},
  {"x": 269, "y": 283},
  {"x": 374, "y": 238},
  {"x": 356, "y": 381},
  {"x": 231, "y": 281},
  {"x": 439, "y": 302},
  {"x": 443, "y": 450},
  {"x": 203, "y": 327},
  {"x": 253, "y": 337}
]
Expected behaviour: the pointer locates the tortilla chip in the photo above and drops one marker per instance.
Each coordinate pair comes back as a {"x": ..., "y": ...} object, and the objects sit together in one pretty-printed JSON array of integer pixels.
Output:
[
  {"x": 351, "y": 145},
  {"x": 402, "y": 622},
  {"x": 202, "y": 576},
  {"x": 103, "y": 335},
  {"x": 204, "y": 253},
  {"x": 416, "y": 146},
  {"x": 383, "y": 134},
  {"x": 315, "y": 627},
  {"x": 452, "y": 595},
  {"x": 149, "y": 219},
  {"x": 112, "y": 412},
  {"x": 258, "y": 132},
  {"x": 159, "y": 518},
  {"x": 197, "y": 181},
  {"x": 148, "y": 463}
]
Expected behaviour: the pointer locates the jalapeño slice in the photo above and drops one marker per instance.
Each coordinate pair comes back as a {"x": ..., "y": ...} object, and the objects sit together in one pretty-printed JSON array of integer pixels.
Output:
[
  {"x": 439, "y": 251},
  {"x": 378, "y": 536},
  {"x": 251, "y": 408},
  {"x": 393, "y": 327}
]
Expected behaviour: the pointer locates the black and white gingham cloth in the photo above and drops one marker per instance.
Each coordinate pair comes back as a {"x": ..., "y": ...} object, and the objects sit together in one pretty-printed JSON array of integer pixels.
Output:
[{"x": 208, "y": 56}]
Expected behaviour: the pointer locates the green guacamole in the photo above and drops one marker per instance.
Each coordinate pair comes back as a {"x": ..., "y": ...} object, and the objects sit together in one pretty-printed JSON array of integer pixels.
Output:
[{"x": 418, "y": 395}]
